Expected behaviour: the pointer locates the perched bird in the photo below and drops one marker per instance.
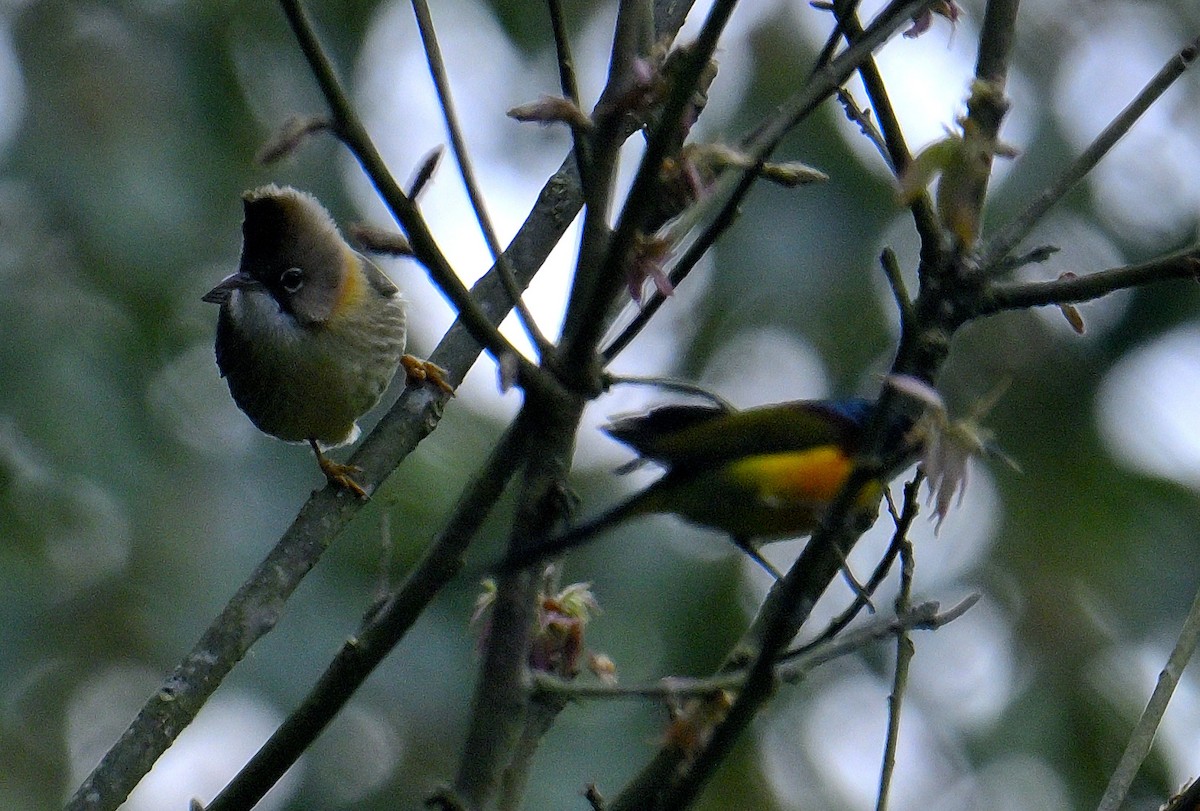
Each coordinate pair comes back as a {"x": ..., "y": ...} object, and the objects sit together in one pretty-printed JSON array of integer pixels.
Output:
[
  {"x": 310, "y": 332},
  {"x": 762, "y": 474}
]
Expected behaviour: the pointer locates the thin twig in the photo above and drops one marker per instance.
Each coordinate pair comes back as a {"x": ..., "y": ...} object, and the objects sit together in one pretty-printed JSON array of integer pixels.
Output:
[
  {"x": 733, "y": 185},
  {"x": 1007, "y": 238},
  {"x": 904, "y": 305},
  {"x": 895, "y": 145},
  {"x": 441, "y": 83},
  {"x": 254, "y": 610},
  {"x": 543, "y": 711},
  {"x": 1142, "y": 736},
  {"x": 1074, "y": 289},
  {"x": 866, "y": 125},
  {"x": 904, "y": 654},
  {"x": 353, "y": 134},
  {"x": 835, "y": 35},
  {"x": 579, "y": 336},
  {"x": 671, "y": 384},
  {"x": 903, "y": 524},
  {"x": 586, "y": 312},
  {"x": 950, "y": 278},
  {"x": 926, "y": 617},
  {"x": 566, "y": 78}
]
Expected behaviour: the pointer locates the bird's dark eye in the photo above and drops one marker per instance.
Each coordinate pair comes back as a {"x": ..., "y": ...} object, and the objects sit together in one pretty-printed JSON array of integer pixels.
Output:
[{"x": 291, "y": 279}]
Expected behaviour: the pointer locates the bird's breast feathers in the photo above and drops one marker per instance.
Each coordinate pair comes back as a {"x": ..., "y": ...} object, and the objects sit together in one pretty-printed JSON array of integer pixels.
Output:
[{"x": 298, "y": 382}]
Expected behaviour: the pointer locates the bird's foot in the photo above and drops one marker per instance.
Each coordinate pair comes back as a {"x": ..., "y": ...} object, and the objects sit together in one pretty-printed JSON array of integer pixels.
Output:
[
  {"x": 339, "y": 475},
  {"x": 418, "y": 370}
]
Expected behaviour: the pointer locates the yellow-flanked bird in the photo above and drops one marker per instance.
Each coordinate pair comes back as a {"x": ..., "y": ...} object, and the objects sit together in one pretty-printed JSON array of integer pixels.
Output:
[{"x": 759, "y": 475}]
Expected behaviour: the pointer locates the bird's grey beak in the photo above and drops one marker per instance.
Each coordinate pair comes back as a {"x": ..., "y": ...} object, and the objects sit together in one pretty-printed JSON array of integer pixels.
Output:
[{"x": 234, "y": 281}]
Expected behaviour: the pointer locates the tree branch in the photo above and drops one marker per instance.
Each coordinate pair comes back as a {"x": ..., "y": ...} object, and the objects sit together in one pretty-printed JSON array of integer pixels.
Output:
[
  {"x": 733, "y": 185},
  {"x": 586, "y": 315},
  {"x": 566, "y": 77},
  {"x": 792, "y": 670},
  {"x": 253, "y": 611},
  {"x": 1007, "y": 238},
  {"x": 441, "y": 83},
  {"x": 662, "y": 784},
  {"x": 903, "y": 524},
  {"x": 552, "y": 413},
  {"x": 1143, "y": 733},
  {"x": 586, "y": 300},
  {"x": 924, "y": 219},
  {"x": 498, "y": 711},
  {"x": 904, "y": 655},
  {"x": 1074, "y": 289},
  {"x": 353, "y": 134},
  {"x": 383, "y": 627}
]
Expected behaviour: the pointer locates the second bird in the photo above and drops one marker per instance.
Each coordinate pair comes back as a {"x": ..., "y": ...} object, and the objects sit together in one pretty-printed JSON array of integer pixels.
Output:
[{"x": 759, "y": 475}]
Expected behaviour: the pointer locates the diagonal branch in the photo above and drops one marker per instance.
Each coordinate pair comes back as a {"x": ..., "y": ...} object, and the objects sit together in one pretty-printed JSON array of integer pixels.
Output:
[
  {"x": 899, "y": 535},
  {"x": 586, "y": 314},
  {"x": 787, "y": 607},
  {"x": 579, "y": 336},
  {"x": 1074, "y": 289},
  {"x": 1007, "y": 238},
  {"x": 566, "y": 78},
  {"x": 353, "y": 134},
  {"x": 921, "y": 206},
  {"x": 1142, "y": 737},
  {"x": 253, "y": 611},
  {"x": 734, "y": 184},
  {"x": 441, "y": 82},
  {"x": 383, "y": 627}
]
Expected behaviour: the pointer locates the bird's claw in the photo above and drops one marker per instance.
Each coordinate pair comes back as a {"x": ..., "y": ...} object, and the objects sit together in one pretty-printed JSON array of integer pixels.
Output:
[
  {"x": 343, "y": 476},
  {"x": 339, "y": 475},
  {"x": 417, "y": 370}
]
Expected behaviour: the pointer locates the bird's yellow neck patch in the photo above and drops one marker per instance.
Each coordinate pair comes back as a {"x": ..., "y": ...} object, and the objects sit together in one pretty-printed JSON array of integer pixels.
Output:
[
  {"x": 813, "y": 476},
  {"x": 353, "y": 286}
]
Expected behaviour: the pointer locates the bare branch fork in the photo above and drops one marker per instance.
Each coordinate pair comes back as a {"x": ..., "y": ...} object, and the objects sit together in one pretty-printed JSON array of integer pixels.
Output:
[
  {"x": 923, "y": 347},
  {"x": 256, "y": 607},
  {"x": 926, "y": 616}
]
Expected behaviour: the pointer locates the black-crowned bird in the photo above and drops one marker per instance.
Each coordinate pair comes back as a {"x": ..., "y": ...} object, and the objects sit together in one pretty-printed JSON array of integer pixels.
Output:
[{"x": 310, "y": 332}]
